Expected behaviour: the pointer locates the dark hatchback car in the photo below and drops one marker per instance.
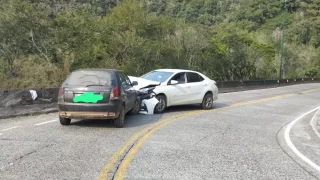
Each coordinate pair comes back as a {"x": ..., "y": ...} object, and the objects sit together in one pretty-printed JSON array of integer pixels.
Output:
[{"x": 97, "y": 94}]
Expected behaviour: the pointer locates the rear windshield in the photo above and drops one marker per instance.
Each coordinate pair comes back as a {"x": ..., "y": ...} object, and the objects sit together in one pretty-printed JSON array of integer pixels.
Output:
[{"x": 89, "y": 78}]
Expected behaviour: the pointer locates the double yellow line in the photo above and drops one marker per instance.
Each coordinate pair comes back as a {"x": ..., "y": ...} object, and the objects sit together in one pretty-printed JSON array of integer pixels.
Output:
[
  {"x": 149, "y": 130},
  {"x": 132, "y": 145}
]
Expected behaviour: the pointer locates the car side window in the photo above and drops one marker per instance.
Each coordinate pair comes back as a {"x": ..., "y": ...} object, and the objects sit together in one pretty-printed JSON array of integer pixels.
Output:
[
  {"x": 122, "y": 78},
  {"x": 194, "y": 77},
  {"x": 127, "y": 79},
  {"x": 180, "y": 77},
  {"x": 201, "y": 78}
]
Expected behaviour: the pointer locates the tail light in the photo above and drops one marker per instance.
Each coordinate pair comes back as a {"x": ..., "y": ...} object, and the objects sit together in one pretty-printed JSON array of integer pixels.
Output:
[
  {"x": 61, "y": 91},
  {"x": 114, "y": 93}
]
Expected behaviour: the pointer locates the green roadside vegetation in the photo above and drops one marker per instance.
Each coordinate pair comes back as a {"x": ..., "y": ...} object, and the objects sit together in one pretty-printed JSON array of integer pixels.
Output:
[{"x": 42, "y": 41}]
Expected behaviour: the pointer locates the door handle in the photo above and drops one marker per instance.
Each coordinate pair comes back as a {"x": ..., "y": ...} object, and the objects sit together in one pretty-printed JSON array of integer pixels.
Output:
[{"x": 205, "y": 85}]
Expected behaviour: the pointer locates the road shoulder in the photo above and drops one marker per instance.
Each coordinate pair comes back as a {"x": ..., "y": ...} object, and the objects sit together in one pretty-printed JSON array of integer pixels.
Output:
[
  {"x": 300, "y": 140},
  {"x": 317, "y": 125}
]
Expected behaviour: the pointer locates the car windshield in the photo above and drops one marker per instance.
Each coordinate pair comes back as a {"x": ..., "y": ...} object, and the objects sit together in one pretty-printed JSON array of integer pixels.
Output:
[
  {"x": 89, "y": 78},
  {"x": 159, "y": 76}
]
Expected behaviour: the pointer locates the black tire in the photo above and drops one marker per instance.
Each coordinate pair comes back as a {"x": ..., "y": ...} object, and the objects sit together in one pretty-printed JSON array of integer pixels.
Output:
[
  {"x": 207, "y": 101},
  {"x": 64, "y": 121},
  {"x": 162, "y": 105},
  {"x": 136, "y": 109},
  {"x": 119, "y": 121}
]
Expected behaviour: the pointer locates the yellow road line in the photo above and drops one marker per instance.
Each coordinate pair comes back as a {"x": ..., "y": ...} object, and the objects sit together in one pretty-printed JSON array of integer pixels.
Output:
[
  {"x": 124, "y": 164},
  {"x": 261, "y": 100},
  {"x": 106, "y": 169},
  {"x": 311, "y": 90},
  {"x": 156, "y": 126},
  {"x": 133, "y": 151}
]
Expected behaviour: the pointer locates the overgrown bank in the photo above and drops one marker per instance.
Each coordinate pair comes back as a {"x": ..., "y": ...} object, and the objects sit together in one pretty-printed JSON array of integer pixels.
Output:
[{"x": 42, "y": 41}]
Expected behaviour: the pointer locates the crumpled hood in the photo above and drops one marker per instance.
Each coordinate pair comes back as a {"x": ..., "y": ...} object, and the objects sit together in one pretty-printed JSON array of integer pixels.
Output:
[{"x": 142, "y": 83}]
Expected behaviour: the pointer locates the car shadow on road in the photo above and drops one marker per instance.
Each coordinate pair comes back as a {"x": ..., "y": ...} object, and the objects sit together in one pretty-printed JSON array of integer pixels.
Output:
[
  {"x": 130, "y": 121},
  {"x": 185, "y": 108},
  {"x": 141, "y": 119}
]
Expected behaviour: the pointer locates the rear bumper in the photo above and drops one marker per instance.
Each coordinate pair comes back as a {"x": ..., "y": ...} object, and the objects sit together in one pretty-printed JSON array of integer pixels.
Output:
[
  {"x": 88, "y": 115},
  {"x": 89, "y": 111}
]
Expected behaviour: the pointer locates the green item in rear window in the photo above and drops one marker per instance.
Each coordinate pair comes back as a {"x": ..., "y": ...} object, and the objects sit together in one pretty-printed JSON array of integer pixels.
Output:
[{"x": 88, "y": 97}]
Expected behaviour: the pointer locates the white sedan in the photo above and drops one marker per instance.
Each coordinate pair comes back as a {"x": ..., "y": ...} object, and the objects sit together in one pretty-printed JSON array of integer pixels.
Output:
[{"x": 181, "y": 87}]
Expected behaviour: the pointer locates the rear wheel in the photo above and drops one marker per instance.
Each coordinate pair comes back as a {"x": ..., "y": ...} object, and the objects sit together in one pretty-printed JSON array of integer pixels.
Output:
[
  {"x": 162, "y": 104},
  {"x": 64, "y": 121},
  {"x": 207, "y": 101},
  {"x": 136, "y": 108},
  {"x": 119, "y": 121}
]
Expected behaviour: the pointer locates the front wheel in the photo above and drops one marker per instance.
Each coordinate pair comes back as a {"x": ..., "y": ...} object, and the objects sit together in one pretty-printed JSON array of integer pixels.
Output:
[
  {"x": 162, "y": 104},
  {"x": 207, "y": 101}
]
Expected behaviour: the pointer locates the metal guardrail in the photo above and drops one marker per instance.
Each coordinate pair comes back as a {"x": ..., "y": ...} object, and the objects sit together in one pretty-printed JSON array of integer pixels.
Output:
[{"x": 235, "y": 84}]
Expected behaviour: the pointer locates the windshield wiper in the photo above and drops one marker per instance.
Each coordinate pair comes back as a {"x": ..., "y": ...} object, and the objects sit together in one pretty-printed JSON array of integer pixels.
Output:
[{"x": 94, "y": 85}]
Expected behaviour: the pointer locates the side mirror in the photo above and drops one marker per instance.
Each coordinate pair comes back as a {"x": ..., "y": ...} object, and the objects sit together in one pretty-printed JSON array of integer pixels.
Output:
[
  {"x": 173, "y": 82},
  {"x": 134, "y": 83}
]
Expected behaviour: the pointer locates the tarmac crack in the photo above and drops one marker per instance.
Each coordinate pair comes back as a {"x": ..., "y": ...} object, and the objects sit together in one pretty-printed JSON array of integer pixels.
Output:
[
  {"x": 32, "y": 152},
  {"x": 118, "y": 163},
  {"x": 203, "y": 138},
  {"x": 24, "y": 156}
]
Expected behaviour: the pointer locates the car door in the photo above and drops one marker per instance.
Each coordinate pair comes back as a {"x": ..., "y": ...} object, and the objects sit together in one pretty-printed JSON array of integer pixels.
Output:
[
  {"x": 133, "y": 95},
  {"x": 126, "y": 91},
  {"x": 196, "y": 87},
  {"x": 177, "y": 93}
]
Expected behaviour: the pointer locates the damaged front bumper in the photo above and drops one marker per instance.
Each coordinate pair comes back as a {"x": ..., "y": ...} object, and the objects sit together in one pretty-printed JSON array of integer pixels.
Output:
[
  {"x": 148, "y": 105},
  {"x": 146, "y": 94}
]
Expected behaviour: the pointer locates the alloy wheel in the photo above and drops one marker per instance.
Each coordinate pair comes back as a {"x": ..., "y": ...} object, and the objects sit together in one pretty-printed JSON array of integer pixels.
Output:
[
  {"x": 208, "y": 102},
  {"x": 161, "y": 105}
]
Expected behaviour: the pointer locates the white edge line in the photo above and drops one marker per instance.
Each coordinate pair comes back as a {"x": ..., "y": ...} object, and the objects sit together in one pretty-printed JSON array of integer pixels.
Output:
[
  {"x": 10, "y": 128},
  {"x": 294, "y": 149},
  {"x": 313, "y": 123},
  {"x": 45, "y": 122}
]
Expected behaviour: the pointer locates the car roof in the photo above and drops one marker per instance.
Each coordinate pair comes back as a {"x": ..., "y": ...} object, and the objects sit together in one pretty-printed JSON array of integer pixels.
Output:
[
  {"x": 98, "y": 69},
  {"x": 175, "y": 70}
]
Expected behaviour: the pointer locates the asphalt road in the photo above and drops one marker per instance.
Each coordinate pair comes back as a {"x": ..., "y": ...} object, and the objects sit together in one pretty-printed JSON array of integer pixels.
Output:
[{"x": 242, "y": 138}]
